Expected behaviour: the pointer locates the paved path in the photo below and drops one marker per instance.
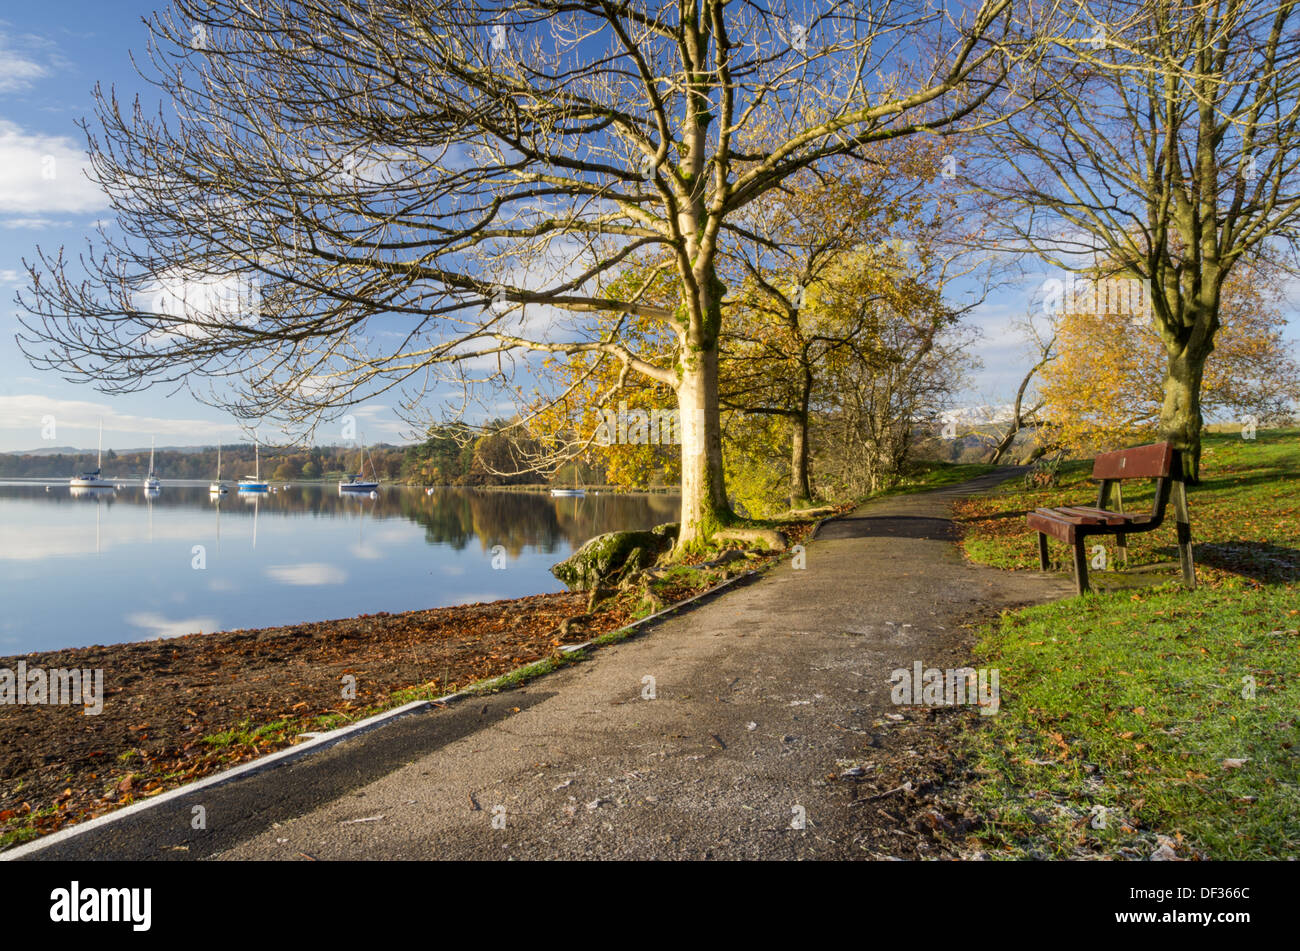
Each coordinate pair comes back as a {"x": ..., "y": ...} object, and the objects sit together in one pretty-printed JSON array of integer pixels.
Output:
[{"x": 757, "y": 694}]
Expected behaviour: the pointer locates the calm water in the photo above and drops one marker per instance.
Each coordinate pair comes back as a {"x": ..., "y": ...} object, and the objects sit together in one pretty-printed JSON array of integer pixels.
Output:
[{"x": 112, "y": 567}]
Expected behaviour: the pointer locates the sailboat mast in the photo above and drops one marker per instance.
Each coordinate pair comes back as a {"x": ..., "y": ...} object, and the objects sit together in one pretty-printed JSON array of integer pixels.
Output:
[
  {"x": 218, "y": 462},
  {"x": 151, "y": 442},
  {"x": 99, "y": 453}
]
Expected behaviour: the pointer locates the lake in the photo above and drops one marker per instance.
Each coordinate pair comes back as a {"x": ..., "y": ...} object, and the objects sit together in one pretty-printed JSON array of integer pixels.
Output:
[{"x": 109, "y": 567}]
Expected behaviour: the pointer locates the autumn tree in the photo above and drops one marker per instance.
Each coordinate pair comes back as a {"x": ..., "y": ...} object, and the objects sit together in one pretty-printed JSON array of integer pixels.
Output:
[
  {"x": 1168, "y": 145},
  {"x": 418, "y": 195},
  {"x": 815, "y": 273},
  {"x": 1105, "y": 386},
  {"x": 792, "y": 260}
]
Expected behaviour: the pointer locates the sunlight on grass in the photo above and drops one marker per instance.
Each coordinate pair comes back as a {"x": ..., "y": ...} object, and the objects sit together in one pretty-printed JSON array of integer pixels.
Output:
[
  {"x": 1157, "y": 710},
  {"x": 1173, "y": 711}
]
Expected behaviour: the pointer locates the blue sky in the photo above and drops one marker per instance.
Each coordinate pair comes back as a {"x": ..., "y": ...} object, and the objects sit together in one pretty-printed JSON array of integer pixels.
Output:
[{"x": 51, "y": 55}]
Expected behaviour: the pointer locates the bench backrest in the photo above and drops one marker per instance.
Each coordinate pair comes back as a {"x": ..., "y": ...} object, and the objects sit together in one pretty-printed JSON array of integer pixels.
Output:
[
  {"x": 1143, "y": 462},
  {"x": 1159, "y": 461}
]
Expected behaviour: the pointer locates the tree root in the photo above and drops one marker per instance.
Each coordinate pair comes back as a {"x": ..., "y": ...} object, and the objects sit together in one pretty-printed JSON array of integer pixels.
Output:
[{"x": 774, "y": 540}]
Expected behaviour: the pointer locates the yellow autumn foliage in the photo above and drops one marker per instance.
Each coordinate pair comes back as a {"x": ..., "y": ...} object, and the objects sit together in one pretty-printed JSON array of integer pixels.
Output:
[{"x": 1105, "y": 387}]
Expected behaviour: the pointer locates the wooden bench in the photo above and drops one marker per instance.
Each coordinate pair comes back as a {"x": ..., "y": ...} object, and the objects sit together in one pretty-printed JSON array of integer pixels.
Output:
[{"x": 1073, "y": 523}]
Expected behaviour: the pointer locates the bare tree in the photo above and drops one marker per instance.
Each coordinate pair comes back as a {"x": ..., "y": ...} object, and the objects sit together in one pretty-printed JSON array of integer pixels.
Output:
[
  {"x": 423, "y": 192},
  {"x": 1168, "y": 148},
  {"x": 877, "y": 399},
  {"x": 998, "y": 426}
]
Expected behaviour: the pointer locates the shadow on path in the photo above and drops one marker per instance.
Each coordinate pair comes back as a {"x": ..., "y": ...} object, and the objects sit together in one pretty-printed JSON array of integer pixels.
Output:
[{"x": 890, "y": 526}]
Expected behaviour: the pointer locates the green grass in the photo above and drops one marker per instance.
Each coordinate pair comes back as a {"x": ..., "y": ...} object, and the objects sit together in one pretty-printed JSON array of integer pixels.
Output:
[
  {"x": 26, "y": 830},
  {"x": 1133, "y": 702},
  {"x": 923, "y": 476},
  {"x": 1119, "y": 710},
  {"x": 247, "y": 735}
]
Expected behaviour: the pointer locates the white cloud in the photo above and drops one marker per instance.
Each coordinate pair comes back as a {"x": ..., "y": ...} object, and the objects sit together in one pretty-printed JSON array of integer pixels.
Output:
[
  {"x": 378, "y": 423},
  {"x": 18, "y": 70},
  {"x": 12, "y": 224},
  {"x": 43, "y": 174},
  {"x": 308, "y": 574},
  {"x": 194, "y": 300},
  {"x": 23, "y": 419}
]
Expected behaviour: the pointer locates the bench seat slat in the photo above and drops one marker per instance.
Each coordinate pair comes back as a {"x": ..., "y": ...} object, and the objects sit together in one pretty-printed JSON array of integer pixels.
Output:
[
  {"x": 1102, "y": 516},
  {"x": 1064, "y": 514},
  {"x": 1046, "y": 523}
]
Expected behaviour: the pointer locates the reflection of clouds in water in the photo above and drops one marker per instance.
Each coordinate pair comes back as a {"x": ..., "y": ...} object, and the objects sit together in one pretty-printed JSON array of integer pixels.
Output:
[
  {"x": 366, "y": 552},
  {"x": 160, "y": 627},
  {"x": 309, "y": 573},
  {"x": 221, "y": 584},
  {"x": 77, "y": 537}
]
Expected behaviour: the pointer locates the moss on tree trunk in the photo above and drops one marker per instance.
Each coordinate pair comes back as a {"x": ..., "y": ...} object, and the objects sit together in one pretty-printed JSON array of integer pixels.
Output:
[{"x": 1180, "y": 414}]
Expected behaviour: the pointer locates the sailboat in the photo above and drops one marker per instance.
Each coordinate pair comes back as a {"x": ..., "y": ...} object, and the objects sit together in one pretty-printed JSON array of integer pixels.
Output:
[
  {"x": 92, "y": 480},
  {"x": 151, "y": 483},
  {"x": 254, "y": 484},
  {"x": 356, "y": 483},
  {"x": 218, "y": 487}
]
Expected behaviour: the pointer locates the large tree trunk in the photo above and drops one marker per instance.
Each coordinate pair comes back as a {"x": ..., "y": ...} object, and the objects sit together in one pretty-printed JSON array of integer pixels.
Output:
[
  {"x": 800, "y": 488},
  {"x": 800, "y": 484},
  {"x": 704, "y": 488},
  {"x": 1180, "y": 415}
]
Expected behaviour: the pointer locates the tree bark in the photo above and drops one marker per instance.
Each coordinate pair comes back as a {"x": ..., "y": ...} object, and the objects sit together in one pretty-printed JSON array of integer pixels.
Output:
[
  {"x": 800, "y": 484},
  {"x": 1180, "y": 415},
  {"x": 704, "y": 491}
]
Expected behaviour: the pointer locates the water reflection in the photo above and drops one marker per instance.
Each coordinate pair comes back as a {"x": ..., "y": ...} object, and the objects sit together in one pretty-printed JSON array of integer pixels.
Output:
[{"x": 181, "y": 560}]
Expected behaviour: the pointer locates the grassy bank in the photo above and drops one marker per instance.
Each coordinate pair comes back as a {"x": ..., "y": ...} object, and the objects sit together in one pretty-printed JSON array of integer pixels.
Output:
[{"x": 1148, "y": 711}]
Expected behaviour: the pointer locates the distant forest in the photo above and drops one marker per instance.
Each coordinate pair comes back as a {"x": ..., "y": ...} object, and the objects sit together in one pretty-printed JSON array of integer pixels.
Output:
[{"x": 447, "y": 457}]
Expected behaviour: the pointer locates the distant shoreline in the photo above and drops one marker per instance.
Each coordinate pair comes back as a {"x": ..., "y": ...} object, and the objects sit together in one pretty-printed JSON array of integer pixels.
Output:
[{"x": 134, "y": 481}]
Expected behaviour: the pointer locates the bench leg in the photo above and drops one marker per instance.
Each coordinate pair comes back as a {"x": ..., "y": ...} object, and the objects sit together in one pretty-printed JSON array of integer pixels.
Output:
[
  {"x": 1121, "y": 540},
  {"x": 1042, "y": 550},
  {"x": 1080, "y": 568},
  {"x": 1184, "y": 522}
]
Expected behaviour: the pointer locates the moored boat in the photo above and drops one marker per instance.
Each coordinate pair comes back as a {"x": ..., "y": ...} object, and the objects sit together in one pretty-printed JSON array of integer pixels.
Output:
[
  {"x": 151, "y": 482},
  {"x": 254, "y": 483},
  {"x": 357, "y": 483},
  {"x": 92, "y": 480},
  {"x": 218, "y": 487}
]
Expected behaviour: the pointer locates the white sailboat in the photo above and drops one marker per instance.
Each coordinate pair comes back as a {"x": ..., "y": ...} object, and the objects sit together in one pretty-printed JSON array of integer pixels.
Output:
[
  {"x": 218, "y": 487},
  {"x": 151, "y": 483},
  {"x": 255, "y": 483},
  {"x": 92, "y": 480},
  {"x": 357, "y": 483}
]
